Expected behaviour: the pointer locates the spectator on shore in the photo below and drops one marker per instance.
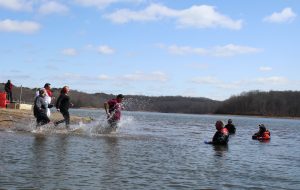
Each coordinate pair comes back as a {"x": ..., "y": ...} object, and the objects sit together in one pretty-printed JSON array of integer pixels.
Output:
[{"x": 8, "y": 89}]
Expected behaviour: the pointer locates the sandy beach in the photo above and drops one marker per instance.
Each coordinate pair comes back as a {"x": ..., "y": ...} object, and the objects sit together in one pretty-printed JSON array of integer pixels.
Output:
[{"x": 10, "y": 117}]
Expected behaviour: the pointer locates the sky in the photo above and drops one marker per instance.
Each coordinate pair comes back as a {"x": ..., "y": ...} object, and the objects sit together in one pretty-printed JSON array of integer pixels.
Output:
[{"x": 194, "y": 48}]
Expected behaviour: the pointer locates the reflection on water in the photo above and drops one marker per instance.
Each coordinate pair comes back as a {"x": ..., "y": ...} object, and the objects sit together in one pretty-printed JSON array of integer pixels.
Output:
[
  {"x": 220, "y": 150},
  {"x": 152, "y": 151}
]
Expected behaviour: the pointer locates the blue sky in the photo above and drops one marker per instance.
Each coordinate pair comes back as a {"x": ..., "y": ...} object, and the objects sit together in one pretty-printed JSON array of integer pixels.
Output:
[{"x": 212, "y": 49}]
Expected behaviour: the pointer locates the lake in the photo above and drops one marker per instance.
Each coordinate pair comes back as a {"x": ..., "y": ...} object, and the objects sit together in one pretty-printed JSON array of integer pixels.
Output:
[{"x": 152, "y": 151}]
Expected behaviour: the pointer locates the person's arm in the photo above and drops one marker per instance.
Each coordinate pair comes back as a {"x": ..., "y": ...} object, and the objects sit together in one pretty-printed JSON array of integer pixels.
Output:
[{"x": 58, "y": 102}]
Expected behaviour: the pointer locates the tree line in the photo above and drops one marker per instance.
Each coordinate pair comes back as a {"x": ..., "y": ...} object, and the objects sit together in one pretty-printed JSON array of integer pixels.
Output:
[{"x": 272, "y": 103}]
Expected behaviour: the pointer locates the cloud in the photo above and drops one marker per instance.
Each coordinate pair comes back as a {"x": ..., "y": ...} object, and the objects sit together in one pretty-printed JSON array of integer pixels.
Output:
[
  {"x": 275, "y": 80},
  {"x": 256, "y": 83},
  {"x": 141, "y": 76},
  {"x": 265, "y": 68},
  {"x": 231, "y": 50},
  {"x": 16, "y": 5},
  {"x": 206, "y": 80},
  {"x": 286, "y": 15},
  {"x": 202, "y": 16},
  {"x": 105, "y": 50},
  {"x": 19, "y": 26},
  {"x": 52, "y": 7},
  {"x": 103, "y": 3},
  {"x": 218, "y": 51},
  {"x": 69, "y": 52}
]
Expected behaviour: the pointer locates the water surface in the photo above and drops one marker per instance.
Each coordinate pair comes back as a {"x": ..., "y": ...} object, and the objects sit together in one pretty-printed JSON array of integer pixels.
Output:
[{"x": 152, "y": 151}]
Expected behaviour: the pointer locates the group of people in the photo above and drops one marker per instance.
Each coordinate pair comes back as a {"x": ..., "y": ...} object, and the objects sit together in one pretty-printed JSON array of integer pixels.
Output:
[
  {"x": 42, "y": 105},
  {"x": 221, "y": 137}
]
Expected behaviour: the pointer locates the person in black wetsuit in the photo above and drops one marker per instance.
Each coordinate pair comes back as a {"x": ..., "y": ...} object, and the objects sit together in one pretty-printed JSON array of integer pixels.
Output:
[
  {"x": 40, "y": 109},
  {"x": 62, "y": 105},
  {"x": 221, "y": 137},
  {"x": 230, "y": 127}
]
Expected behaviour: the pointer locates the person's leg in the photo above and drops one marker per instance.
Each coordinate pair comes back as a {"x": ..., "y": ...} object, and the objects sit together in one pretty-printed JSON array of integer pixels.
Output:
[
  {"x": 67, "y": 118},
  {"x": 10, "y": 97}
]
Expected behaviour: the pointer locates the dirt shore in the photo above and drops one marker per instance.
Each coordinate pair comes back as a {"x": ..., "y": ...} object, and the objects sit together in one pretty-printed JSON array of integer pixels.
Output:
[{"x": 9, "y": 118}]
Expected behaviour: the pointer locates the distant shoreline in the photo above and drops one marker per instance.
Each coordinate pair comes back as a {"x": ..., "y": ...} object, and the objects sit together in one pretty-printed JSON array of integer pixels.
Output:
[{"x": 259, "y": 116}]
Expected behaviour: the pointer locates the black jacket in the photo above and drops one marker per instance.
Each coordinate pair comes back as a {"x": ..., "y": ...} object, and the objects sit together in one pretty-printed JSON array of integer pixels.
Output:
[{"x": 63, "y": 102}]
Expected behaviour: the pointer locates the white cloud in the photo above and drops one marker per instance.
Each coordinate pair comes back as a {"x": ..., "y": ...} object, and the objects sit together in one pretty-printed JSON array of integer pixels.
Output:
[
  {"x": 69, "y": 51},
  {"x": 206, "y": 80},
  {"x": 202, "y": 16},
  {"x": 231, "y": 50},
  {"x": 52, "y": 7},
  {"x": 19, "y": 26},
  {"x": 219, "y": 51},
  {"x": 141, "y": 76},
  {"x": 286, "y": 15},
  {"x": 183, "y": 50},
  {"x": 105, "y": 50},
  {"x": 275, "y": 80},
  {"x": 265, "y": 68},
  {"x": 103, "y": 77},
  {"x": 103, "y": 3},
  {"x": 16, "y": 5}
]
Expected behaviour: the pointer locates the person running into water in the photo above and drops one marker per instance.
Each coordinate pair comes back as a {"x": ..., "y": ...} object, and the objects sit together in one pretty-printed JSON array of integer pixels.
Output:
[
  {"x": 230, "y": 127},
  {"x": 8, "y": 89},
  {"x": 48, "y": 96},
  {"x": 221, "y": 137},
  {"x": 113, "y": 109},
  {"x": 262, "y": 134},
  {"x": 62, "y": 105},
  {"x": 40, "y": 109}
]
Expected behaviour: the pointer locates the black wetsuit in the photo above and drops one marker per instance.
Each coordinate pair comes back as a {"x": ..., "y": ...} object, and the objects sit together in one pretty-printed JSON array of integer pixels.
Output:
[
  {"x": 63, "y": 104},
  {"x": 220, "y": 138},
  {"x": 40, "y": 111},
  {"x": 230, "y": 127}
]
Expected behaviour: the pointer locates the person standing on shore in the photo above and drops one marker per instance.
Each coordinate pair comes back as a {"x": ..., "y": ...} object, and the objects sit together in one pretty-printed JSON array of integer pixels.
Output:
[
  {"x": 8, "y": 89},
  {"x": 40, "y": 108},
  {"x": 62, "y": 105},
  {"x": 113, "y": 109}
]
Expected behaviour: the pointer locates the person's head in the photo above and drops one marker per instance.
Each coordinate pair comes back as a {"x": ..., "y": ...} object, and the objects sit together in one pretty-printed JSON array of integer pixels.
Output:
[
  {"x": 120, "y": 98},
  {"x": 47, "y": 86},
  {"x": 65, "y": 90},
  {"x": 219, "y": 125},
  {"x": 42, "y": 92},
  {"x": 8, "y": 81},
  {"x": 262, "y": 128},
  {"x": 229, "y": 121}
]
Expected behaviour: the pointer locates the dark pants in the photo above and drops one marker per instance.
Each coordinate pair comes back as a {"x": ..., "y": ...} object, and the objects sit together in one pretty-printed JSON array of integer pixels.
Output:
[
  {"x": 113, "y": 123},
  {"x": 42, "y": 119},
  {"x": 9, "y": 96},
  {"x": 66, "y": 119}
]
